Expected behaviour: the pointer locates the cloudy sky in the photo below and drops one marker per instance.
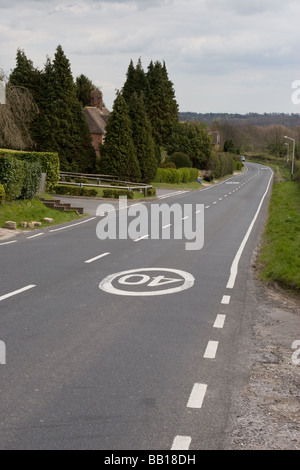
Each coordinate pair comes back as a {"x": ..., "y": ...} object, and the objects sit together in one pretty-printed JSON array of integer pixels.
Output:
[{"x": 234, "y": 56}]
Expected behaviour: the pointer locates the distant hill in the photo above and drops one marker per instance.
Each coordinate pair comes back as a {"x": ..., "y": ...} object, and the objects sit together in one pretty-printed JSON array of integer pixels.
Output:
[{"x": 256, "y": 119}]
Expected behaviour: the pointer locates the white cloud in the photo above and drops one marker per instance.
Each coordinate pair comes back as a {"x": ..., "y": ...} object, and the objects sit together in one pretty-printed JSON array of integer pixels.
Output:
[{"x": 208, "y": 45}]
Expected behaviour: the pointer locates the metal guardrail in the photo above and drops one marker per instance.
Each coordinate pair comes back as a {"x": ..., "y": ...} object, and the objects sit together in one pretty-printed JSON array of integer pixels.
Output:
[{"x": 126, "y": 184}]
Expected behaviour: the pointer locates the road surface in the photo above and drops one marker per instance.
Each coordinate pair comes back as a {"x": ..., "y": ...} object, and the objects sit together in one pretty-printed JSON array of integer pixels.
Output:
[{"x": 129, "y": 344}]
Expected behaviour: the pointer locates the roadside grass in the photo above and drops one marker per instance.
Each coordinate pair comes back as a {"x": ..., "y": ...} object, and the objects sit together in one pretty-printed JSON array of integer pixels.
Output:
[
  {"x": 279, "y": 258},
  {"x": 32, "y": 210}
]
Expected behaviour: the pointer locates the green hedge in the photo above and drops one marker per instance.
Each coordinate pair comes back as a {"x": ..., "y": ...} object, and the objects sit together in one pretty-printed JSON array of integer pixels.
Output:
[
  {"x": 20, "y": 179},
  {"x": 69, "y": 190},
  {"x": 2, "y": 194},
  {"x": 116, "y": 193},
  {"x": 48, "y": 161},
  {"x": 171, "y": 175}
]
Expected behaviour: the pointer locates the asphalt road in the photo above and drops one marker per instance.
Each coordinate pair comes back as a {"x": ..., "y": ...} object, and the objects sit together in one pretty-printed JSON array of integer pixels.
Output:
[{"x": 151, "y": 361}]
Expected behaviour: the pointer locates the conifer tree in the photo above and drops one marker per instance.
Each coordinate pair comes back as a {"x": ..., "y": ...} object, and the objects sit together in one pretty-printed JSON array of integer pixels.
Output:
[
  {"x": 25, "y": 75},
  {"x": 162, "y": 107},
  {"x": 62, "y": 124},
  {"x": 142, "y": 138},
  {"x": 84, "y": 87},
  {"x": 136, "y": 81},
  {"x": 118, "y": 154}
]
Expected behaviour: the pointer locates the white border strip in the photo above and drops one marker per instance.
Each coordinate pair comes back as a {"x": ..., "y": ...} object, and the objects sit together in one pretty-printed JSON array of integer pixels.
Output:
[{"x": 234, "y": 266}]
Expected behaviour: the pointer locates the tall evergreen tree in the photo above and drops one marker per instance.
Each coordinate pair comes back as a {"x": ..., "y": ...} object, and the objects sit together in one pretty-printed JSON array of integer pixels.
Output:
[
  {"x": 62, "y": 124},
  {"x": 84, "y": 87},
  {"x": 142, "y": 138},
  {"x": 118, "y": 154},
  {"x": 136, "y": 81},
  {"x": 162, "y": 107},
  {"x": 25, "y": 75}
]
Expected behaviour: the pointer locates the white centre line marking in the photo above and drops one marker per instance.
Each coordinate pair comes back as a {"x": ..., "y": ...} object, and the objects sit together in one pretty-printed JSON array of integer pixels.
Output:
[
  {"x": 8, "y": 243},
  {"x": 141, "y": 238},
  {"x": 219, "y": 322},
  {"x": 197, "y": 396},
  {"x": 225, "y": 299},
  {"x": 181, "y": 443},
  {"x": 34, "y": 236},
  {"x": 215, "y": 202},
  {"x": 73, "y": 225},
  {"x": 11, "y": 294},
  {"x": 166, "y": 226},
  {"x": 206, "y": 207},
  {"x": 211, "y": 349},
  {"x": 97, "y": 257}
]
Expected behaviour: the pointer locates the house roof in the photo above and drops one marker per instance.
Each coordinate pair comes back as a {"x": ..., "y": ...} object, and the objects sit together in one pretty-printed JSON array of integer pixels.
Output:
[{"x": 96, "y": 119}]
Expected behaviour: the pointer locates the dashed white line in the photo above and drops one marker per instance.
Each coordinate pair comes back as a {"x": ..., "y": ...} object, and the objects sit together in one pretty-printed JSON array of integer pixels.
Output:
[
  {"x": 73, "y": 225},
  {"x": 197, "y": 396},
  {"x": 97, "y": 257},
  {"x": 8, "y": 243},
  {"x": 220, "y": 320},
  {"x": 34, "y": 236},
  {"x": 181, "y": 443},
  {"x": 211, "y": 350},
  {"x": 16, "y": 292},
  {"x": 141, "y": 238},
  {"x": 225, "y": 299}
]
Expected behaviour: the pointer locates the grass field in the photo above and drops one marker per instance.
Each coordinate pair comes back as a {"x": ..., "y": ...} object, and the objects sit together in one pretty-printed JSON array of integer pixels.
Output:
[
  {"x": 32, "y": 210},
  {"x": 279, "y": 258}
]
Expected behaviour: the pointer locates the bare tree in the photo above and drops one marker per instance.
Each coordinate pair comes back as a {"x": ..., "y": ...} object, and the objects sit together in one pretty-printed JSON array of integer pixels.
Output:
[{"x": 16, "y": 116}]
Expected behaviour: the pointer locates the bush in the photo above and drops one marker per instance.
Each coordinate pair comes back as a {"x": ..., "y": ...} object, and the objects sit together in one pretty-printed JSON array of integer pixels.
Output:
[
  {"x": 151, "y": 192},
  {"x": 32, "y": 179},
  {"x": 48, "y": 161},
  {"x": 69, "y": 190},
  {"x": 2, "y": 194},
  {"x": 181, "y": 160},
  {"x": 21, "y": 180},
  {"x": 116, "y": 193},
  {"x": 170, "y": 175}
]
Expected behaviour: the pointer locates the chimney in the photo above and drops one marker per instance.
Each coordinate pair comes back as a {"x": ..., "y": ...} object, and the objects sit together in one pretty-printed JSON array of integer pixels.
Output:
[{"x": 96, "y": 99}]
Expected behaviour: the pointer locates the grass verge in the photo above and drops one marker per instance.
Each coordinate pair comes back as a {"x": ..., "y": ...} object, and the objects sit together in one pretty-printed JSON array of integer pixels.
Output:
[
  {"x": 32, "y": 210},
  {"x": 279, "y": 258}
]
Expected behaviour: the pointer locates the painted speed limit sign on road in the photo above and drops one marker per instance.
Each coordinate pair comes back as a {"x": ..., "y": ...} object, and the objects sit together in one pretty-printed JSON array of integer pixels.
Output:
[{"x": 147, "y": 282}]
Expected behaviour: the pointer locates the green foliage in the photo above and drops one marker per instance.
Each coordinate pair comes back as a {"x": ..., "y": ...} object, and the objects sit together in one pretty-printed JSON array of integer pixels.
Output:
[
  {"x": 193, "y": 140},
  {"x": 2, "y": 194},
  {"x": 142, "y": 138},
  {"x": 171, "y": 175},
  {"x": 181, "y": 160},
  {"x": 116, "y": 193},
  {"x": 161, "y": 104},
  {"x": 84, "y": 87},
  {"x": 118, "y": 154},
  {"x": 20, "y": 179},
  {"x": 48, "y": 161},
  {"x": 69, "y": 190},
  {"x": 151, "y": 192},
  {"x": 221, "y": 164}
]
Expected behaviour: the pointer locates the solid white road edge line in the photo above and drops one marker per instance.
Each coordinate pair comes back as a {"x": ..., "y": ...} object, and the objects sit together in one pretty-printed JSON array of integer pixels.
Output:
[{"x": 234, "y": 266}]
